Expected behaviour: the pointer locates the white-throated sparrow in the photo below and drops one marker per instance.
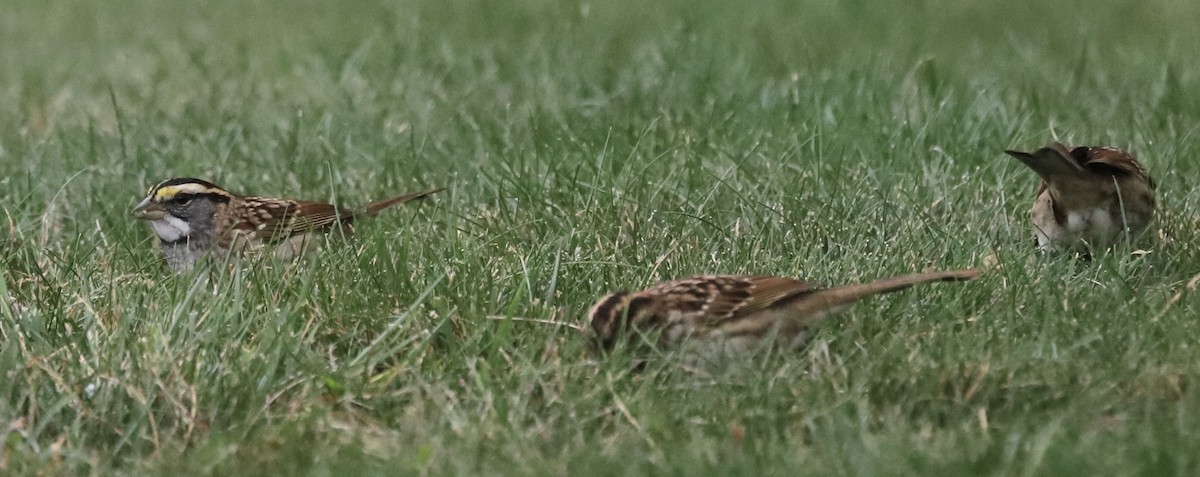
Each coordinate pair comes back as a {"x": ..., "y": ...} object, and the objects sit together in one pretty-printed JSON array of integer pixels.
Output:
[
  {"x": 1089, "y": 197},
  {"x": 719, "y": 316},
  {"x": 192, "y": 217}
]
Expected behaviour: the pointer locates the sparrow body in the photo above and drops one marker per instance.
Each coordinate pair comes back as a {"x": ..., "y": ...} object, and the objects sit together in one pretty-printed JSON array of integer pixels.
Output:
[
  {"x": 192, "y": 217},
  {"x": 718, "y": 316},
  {"x": 1088, "y": 196}
]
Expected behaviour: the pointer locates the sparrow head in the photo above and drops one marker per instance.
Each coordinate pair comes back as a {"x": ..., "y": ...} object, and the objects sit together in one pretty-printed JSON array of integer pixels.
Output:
[
  {"x": 177, "y": 208},
  {"x": 614, "y": 315}
]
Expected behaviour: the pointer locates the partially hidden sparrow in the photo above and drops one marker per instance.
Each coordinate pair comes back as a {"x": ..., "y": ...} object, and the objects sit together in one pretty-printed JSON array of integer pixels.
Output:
[
  {"x": 1089, "y": 197},
  {"x": 193, "y": 217},
  {"x": 721, "y": 316}
]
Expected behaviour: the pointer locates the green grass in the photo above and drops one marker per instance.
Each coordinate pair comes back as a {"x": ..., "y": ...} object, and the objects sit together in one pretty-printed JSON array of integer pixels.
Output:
[{"x": 591, "y": 146}]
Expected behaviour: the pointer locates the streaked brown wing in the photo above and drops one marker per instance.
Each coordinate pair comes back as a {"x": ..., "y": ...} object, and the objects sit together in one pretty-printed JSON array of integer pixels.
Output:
[
  {"x": 688, "y": 295},
  {"x": 724, "y": 297},
  {"x": 1116, "y": 159},
  {"x": 315, "y": 216},
  {"x": 274, "y": 220},
  {"x": 770, "y": 291}
]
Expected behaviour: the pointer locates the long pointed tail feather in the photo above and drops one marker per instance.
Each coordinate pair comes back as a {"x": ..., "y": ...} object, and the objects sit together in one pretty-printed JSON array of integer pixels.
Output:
[
  {"x": 845, "y": 295},
  {"x": 1051, "y": 162},
  {"x": 376, "y": 206}
]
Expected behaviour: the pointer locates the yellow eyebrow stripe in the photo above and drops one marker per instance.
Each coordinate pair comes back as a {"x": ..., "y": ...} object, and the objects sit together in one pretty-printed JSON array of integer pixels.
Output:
[{"x": 168, "y": 192}]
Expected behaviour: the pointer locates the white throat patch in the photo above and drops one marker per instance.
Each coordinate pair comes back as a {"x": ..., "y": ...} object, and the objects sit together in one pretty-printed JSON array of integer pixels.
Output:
[
  {"x": 171, "y": 228},
  {"x": 1098, "y": 219}
]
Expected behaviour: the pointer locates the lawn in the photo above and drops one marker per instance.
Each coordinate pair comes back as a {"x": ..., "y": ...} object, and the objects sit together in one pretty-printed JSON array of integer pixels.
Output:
[{"x": 590, "y": 146}]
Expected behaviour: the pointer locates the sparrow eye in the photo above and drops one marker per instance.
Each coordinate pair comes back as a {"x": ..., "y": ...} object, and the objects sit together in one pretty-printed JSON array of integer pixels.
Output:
[{"x": 181, "y": 200}]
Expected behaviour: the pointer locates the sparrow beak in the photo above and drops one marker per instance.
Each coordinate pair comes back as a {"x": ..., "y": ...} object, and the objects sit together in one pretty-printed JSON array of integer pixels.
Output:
[{"x": 147, "y": 210}]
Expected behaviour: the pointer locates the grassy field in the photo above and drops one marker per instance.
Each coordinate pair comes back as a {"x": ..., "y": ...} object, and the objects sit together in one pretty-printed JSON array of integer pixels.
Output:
[{"x": 587, "y": 147}]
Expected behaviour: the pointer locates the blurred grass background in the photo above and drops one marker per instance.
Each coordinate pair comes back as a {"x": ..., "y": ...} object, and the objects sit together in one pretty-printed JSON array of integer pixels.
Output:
[{"x": 590, "y": 146}]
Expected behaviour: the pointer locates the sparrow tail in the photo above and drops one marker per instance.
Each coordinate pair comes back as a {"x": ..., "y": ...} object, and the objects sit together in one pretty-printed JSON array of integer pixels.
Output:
[
  {"x": 839, "y": 296},
  {"x": 376, "y": 206},
  {"x": 1051, "y": 162}
]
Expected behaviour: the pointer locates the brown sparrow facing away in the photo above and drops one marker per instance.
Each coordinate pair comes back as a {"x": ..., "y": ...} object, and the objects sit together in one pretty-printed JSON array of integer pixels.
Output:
[
  {"x": 718, "y": 316},
  {"x": 192, "y": 217},
  {"x": 1088, "y": 197}
]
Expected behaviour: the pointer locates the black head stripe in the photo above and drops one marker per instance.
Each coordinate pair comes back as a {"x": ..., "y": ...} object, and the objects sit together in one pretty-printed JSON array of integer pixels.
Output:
[
  {"x": 638, "y": 313},
  {"x": 215, "y": 197},
  {"x": 606, "y": 313},
  {"x": 185, "y": 180},
  {"x": 218, "y": 194},
  {"x": 608, "y": 319}
]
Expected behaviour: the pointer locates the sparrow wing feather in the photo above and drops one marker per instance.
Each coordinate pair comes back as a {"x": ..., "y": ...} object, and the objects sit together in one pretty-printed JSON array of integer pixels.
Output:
[
  {"x": 275, "y": 220},
  {"x": 1115, "y": 159},
  {"x": 722, "y": 298}
]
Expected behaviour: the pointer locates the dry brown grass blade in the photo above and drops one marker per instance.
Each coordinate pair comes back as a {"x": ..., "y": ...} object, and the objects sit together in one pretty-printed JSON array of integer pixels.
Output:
[{"x": 573, "y": 326}]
